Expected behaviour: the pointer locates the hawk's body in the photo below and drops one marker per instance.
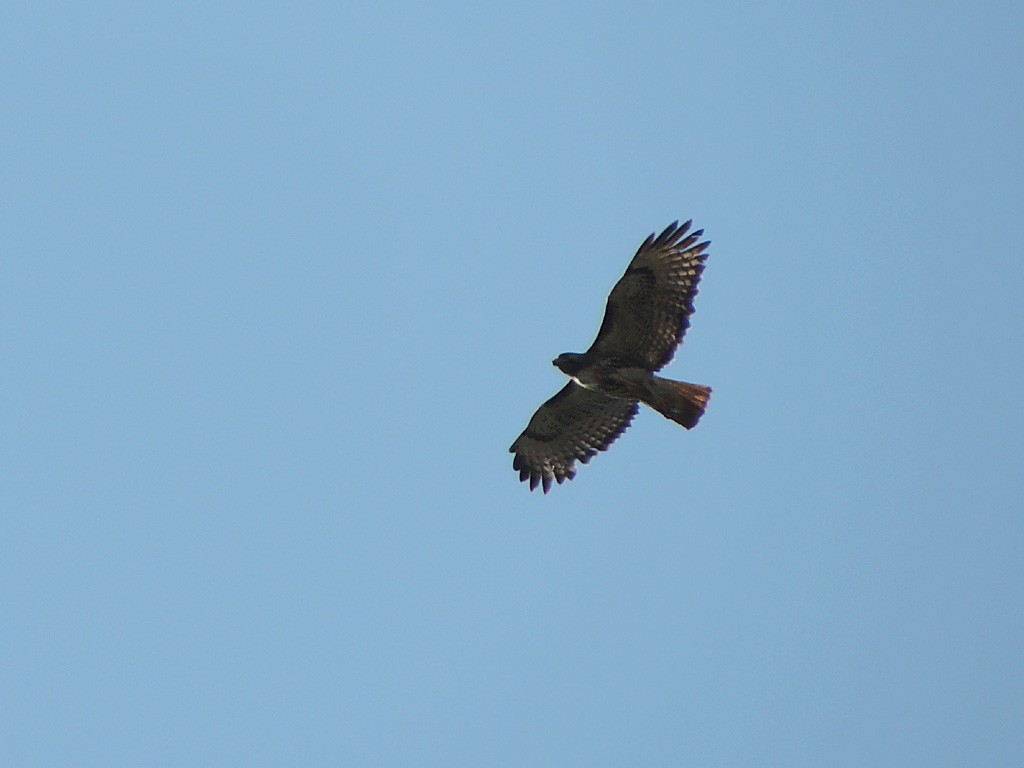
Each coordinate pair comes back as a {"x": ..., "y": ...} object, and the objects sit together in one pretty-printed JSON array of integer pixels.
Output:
[{"x": 647, "y": 314}]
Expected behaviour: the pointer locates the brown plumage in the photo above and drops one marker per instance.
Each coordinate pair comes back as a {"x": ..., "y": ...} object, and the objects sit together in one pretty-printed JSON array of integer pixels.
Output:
[{"x": 647, "y": 314}]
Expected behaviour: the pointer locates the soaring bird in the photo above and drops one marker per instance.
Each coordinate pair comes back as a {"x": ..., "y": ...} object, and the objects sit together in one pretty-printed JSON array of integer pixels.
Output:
[{"x": 647, "y": 314}]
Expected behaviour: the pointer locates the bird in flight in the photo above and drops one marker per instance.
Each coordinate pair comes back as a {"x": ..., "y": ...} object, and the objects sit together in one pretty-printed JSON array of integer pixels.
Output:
[{"x": 647, "y": 314}]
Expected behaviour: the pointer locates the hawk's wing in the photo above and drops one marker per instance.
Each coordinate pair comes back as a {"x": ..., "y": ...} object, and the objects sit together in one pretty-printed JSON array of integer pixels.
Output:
[
  {"x": 574, "y": 424},
  {"x": 649, "y": 308}
]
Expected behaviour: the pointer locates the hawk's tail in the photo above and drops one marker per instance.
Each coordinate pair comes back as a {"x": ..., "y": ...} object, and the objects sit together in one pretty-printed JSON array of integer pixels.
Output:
[{"x": 677, "y": 400}]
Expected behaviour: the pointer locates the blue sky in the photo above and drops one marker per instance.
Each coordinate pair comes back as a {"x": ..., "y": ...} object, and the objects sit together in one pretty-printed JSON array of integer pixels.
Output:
[{"x": 282, "y": 282}]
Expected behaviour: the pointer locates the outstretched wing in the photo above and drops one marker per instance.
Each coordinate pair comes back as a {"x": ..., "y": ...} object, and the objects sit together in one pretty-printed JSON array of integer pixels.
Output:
[
  {"x": 649, "y": 308},
  {"x": 574, "y": 424}
]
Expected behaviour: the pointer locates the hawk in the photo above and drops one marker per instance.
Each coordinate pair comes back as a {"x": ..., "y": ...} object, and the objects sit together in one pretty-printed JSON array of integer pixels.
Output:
[{"x": 648, "y": 312}]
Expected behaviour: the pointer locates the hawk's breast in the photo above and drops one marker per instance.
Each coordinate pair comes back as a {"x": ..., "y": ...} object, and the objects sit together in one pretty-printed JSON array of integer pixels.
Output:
[{"x": 610, "y": 377}]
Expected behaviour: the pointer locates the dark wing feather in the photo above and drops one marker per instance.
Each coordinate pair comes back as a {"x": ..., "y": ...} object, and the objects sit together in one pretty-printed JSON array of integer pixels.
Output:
[
  {"x": 649, "y": 309},
  {"x": 574, "y": 424}
]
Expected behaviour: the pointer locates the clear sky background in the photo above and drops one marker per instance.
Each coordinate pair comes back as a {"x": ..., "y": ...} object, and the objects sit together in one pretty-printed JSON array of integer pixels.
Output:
[{"x": 281, "y": 282}]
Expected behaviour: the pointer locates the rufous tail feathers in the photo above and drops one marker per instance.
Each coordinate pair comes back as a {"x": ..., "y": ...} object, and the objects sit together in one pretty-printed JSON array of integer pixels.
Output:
[{"x": 680, "y": 401}]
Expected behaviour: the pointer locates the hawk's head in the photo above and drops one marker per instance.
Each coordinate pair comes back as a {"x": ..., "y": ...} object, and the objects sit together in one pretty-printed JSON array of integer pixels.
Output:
[{"x": 569, "y": 363}]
